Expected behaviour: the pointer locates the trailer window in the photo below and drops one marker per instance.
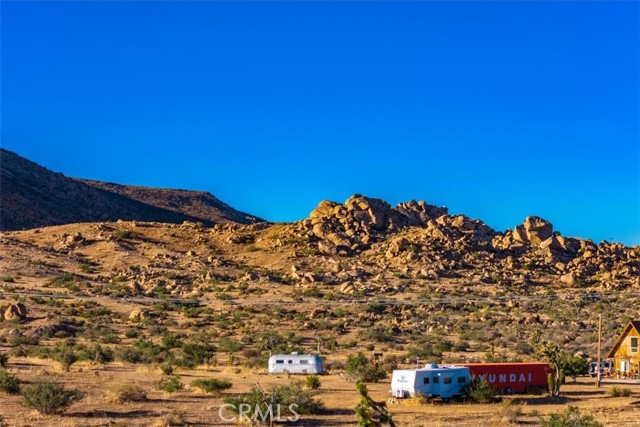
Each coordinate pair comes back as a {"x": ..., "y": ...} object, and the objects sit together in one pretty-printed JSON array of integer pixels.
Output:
[
  {"x": 304, "y": 362},
  {"x": 279, "y": 361},
  {"x": 436, "y": 380},
  {"x": 447, "y": 380},
  {"x": 462, "y": 380},
  {"x": 425, "y": 380},
  {"x": 290, "y": 361}
]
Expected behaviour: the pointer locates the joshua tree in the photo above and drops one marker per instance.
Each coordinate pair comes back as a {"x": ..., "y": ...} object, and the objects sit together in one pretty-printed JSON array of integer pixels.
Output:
[{"x": 369, "y": 412}]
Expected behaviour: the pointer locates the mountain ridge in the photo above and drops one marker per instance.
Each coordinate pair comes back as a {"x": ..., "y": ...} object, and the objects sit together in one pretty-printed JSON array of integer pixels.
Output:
[{"x": 33, "y": 196}]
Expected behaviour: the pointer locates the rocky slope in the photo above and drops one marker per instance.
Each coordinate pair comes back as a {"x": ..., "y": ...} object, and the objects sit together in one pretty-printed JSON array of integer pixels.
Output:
[{"x": 33, "y": 196}]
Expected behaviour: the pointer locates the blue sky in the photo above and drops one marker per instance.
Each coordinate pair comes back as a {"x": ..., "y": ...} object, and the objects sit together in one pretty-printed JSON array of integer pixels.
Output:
[{"x": 497, "y": 110}]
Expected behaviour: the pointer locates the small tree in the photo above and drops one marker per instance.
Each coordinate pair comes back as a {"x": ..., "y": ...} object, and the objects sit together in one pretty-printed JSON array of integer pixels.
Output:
[
  {"x": 575, "y": 365},
  {"x": 49, "y": 397},
  {"x": 570, "y": 418},
  {"x": 370, "y": 413}
]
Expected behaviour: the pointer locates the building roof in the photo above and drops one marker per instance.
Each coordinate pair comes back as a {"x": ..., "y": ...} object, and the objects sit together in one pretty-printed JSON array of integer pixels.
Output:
[{"x": 634, "y": 324}]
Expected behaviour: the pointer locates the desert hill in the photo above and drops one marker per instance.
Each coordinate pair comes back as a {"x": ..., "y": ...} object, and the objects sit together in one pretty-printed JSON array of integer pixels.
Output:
[
  {"x": 33, "y": 196},
  {"x": 411, "y": 282}
]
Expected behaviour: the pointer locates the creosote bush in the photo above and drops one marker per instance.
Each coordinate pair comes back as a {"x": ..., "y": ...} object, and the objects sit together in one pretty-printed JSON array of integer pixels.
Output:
[
  {"x": 212, "y": 385},
  {"x": 130, "y": 393},
  {"x": 285, "y": 396},
  {"x": 170, "y": 384},
  {"x": 480, "y": 391},
  {"x": 616, "y": 391},
  {"x": 9, "y": 383},
  {"x": 49, "y": 397},
  {"x": 570, "y": 418}
]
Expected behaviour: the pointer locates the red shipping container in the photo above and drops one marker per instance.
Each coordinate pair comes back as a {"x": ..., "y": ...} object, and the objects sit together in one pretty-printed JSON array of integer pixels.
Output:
[{"x": 512, "y": 377}]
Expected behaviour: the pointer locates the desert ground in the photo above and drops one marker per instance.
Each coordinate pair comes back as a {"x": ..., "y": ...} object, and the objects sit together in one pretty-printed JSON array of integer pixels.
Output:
[{"x": 191, "y": 407}]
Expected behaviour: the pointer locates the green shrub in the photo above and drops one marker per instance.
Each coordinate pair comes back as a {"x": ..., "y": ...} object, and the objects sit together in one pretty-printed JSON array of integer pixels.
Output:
[
  {"x": 616, "y": 391},
  {"x": 49, "y": 397},
  {"x": 125, "y": 234},
  {"x": 480, "y": 391},
  {"x": 130, "y": 393},
  {"x": 195, "y": 353},
  {"x": 8, "y": 383},
  {"x": 170, "y": 384},
  {"x": 66, "y": 357},
  {"x": 212, "y": 385},
  {"x": 570, "y": 418},
  {"x": 312, "y": 382},
  {"x": 360, "y": 366},
  {"x": 4, "y": 358}
]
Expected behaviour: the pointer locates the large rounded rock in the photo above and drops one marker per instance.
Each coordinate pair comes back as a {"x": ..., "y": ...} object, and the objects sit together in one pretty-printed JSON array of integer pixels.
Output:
[
  {"x": 16, "y": 312},
  {"x": 537, "y": 229},
  {"x": 138, "y": 315}
]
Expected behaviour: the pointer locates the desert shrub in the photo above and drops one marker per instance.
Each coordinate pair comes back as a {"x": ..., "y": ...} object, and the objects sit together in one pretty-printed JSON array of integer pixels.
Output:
[
  {"x": 130, "y": 393},
  {"x": 170, "y": 341},
  {"x": 211, "y": 385},
  {"x": 312, "y": 382},
  {"x": 616, "y": 391},
  {"x": 130, "y": 354},
  {"x": 229, "y": 345},
  {"x": 96, "y": 353},
  {"x": 570, "y": 418},
  {"x": 509, "y": 412},
  {"x": 49, "y": 397},
  {"x": 480, "y": 391},
  {"x": 167, "y": 367},
  {"x": 65, "y": 356},
  {"x": 360, "y": 366},
  {"x": 174, "y": 418},
  {"x": 427, "y": 353},
  {"x": 125, "y": 234},
  {"x": 9, "y": 383},
  {"x": 376, "y": 334},
  {"x": 4, "y": 358},
  {"x": 170, "y": 384},
  {"x": 285, "y": 396},
  {"x": 195, "y": 353}
]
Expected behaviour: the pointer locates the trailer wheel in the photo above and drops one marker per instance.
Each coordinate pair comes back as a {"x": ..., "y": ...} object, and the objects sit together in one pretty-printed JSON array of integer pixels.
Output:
[{"x": 508, "y": 390}]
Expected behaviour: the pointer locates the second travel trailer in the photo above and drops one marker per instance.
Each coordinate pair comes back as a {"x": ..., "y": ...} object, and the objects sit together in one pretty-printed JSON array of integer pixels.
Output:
[
  {"x": 295, "y": 363},
  {"x": 431, "y": 381}
]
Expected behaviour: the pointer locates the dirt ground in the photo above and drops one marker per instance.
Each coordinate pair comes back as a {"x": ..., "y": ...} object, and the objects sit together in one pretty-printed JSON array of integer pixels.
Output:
[{"x": 192, "y": 407}]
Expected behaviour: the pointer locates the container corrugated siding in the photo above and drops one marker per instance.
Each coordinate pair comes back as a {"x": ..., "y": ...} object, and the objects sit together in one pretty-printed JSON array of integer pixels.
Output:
[{"x": 533, "y": 373}]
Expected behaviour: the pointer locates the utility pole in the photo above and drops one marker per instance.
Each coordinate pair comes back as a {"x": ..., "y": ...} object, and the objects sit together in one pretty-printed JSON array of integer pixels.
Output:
[{"x": 599, "y": 366}]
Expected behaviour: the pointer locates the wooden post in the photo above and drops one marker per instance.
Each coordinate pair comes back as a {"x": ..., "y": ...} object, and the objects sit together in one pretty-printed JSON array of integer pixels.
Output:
[{"x": 599, "y": 366}]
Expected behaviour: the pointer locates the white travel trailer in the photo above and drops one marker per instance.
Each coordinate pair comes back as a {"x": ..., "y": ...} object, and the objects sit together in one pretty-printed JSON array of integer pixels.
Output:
[
  {"x": 431, "y": 381},
  {"x": 295, "y": 363}
]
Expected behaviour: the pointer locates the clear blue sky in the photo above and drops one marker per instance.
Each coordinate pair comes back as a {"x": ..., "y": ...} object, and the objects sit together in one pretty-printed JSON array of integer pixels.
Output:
[{"x": 497, "y": 110}]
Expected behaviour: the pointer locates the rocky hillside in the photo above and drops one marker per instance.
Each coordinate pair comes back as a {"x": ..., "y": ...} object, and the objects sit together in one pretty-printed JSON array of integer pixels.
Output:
[{"x": 33, "y": 196}]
